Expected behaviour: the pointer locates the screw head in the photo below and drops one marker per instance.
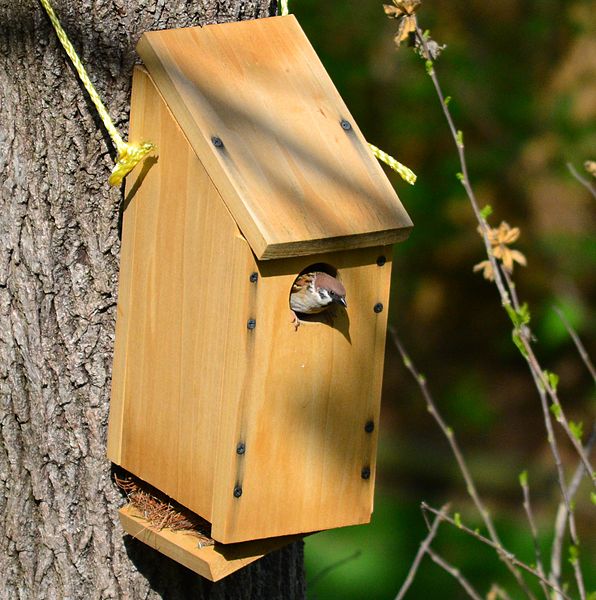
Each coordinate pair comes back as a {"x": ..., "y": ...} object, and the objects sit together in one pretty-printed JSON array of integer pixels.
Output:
[
  {"x": 381, "y": 260},
  {"x": 251, "y": 324},
  {"x": 378, "y": 307},
  {"x": 345, "y": 125},
  {"x": 237, "y": 491},
  {"x": 217, "y": 142},
  {"x": 254, "y": 277},
  {"x": 365, "y": 473},
  {"x": 241, "y": 448},
  {"x": 369, "y": 427}
]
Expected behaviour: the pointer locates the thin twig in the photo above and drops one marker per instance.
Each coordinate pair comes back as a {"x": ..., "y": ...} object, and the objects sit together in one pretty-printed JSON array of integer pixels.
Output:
[
  {"x": 497, "y": 592},
  {"x": 578, "y": 343},
  {"x": 455, "y": 573},
  {"x": 523, "y": 480},
  {"x": 562, "y": 515},
  {"x": 463, "y": 467},
  {"x": 424, "y": 546},
  {"x": 500, "y": 549},
  {"x": 586, "y": 183}
]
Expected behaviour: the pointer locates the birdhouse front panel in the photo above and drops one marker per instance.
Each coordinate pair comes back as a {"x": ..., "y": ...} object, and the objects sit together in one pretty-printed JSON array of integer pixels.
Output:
[
  {"x": 308, "y": 419},
  {"x": 261, "y": 420}
]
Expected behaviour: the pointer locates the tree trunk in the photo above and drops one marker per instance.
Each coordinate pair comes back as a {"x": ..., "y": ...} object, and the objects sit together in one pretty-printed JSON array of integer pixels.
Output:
[{"x": 59, "y": 246}]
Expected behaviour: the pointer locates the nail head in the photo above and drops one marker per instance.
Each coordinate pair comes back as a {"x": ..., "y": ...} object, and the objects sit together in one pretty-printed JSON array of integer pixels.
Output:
[
  {"x": 254, "y": 277},
  {"x": 381, "y": 261},
  {"x": 365, "y": 473},
  {"x": 251, "y": 324},
  {"x": 378, "y": 308},
  {"x": 217, "y": 142},
  {"x": 346, "y": 125},
  {"x": 241, "y": 448},
  {"x": 369, "y": 427},
  {"x": 237, "y": 491}
]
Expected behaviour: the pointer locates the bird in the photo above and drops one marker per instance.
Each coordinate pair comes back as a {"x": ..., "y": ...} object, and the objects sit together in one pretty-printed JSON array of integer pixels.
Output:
[{"x": 315, "y": 292}]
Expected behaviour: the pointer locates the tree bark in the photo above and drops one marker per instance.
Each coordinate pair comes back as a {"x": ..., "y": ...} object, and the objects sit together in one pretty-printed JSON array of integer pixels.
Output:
[{"x": 59, "y": 247}]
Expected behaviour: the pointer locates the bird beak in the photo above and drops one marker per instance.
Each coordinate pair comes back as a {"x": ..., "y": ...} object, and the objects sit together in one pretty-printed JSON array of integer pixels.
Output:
[{"x": 343, "y": 302}]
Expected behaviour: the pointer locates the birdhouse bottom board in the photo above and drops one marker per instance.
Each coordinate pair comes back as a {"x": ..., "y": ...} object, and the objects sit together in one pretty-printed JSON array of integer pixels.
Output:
[{"x": 218, "y": 400}]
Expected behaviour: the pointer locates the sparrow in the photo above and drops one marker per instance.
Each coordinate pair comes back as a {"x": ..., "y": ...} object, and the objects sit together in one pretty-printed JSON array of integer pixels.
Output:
[{"x": 312, "y": 293}]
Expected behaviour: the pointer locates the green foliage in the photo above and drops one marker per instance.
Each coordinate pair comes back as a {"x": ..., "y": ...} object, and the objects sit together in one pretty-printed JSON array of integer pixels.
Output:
[
  {"x": 486, "y": 211},
  {"x": 555, "y": 409},
  {"x": 457, "y": 520},
  {"x": 577, "y": 430},
  {"x": 553, "y": 379},
  {"x": 523, "y": 478},
  {"x": 460, "y": 138},
  {"x": 516, "y": 337},
  {"x": 593, "y": 498},
  {"x": 573, "y": 554}
]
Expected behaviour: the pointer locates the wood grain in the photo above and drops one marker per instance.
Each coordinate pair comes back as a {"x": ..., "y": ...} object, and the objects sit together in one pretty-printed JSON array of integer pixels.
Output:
[
  {"x": 212, "y": 562},
  {"x": 191, "y": 381},
  {"x": 296, "y": 182}
]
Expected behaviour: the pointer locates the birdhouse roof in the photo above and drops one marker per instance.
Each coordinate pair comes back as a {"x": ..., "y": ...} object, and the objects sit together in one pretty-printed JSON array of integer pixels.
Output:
[{"x": 263, "y": 116}]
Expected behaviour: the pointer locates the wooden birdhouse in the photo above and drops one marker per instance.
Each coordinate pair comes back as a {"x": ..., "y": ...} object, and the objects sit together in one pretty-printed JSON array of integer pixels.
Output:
[{"x": 218, "y": 399}]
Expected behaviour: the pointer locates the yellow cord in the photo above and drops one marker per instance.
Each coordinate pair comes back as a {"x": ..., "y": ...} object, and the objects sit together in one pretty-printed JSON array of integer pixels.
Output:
[
  {"x": 284, "y": 8},
  {"x": 405, "y": 173},
  {"x": 129, "y": 155}
]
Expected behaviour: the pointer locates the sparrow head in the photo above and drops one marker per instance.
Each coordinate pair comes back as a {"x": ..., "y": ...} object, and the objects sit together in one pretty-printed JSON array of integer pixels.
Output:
[{"x": 329, "y": 289}]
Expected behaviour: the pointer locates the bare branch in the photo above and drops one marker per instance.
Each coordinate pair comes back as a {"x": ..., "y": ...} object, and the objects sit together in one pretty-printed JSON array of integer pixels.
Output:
[
  {"x": 585, "y": 182},
  {"x": 578, "y": 343},
  {"x": 463, "y": 467},
  {"x": 498, "y": 547},
  {"x": 424, "y": 546},
  {"x": 562, "y": 515},
  {"x": 523, "y": 480},
  {"x": 455, "y": 573}
]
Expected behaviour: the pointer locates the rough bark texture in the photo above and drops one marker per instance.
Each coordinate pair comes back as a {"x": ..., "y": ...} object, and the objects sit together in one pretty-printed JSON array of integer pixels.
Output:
[{"x": 59, "y": 535}]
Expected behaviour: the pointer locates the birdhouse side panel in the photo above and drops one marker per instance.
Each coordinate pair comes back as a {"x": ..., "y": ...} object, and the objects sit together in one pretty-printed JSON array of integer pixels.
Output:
[
  {"x": 309, "y": 420},
  {"x": 181, "y": 315}
]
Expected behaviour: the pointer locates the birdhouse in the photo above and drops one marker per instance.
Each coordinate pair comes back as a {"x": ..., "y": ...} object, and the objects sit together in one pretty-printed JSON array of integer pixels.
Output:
[{"x": 262, "y": 423}]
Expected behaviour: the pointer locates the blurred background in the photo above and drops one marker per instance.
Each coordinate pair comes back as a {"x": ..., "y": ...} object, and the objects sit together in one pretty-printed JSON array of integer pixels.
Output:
[{"x": 522, "y": 74}]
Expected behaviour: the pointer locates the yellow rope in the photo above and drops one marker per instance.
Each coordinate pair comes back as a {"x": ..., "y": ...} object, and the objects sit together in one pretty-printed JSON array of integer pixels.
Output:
[
  {"x": 284, "y": 7},
  {"x": 129, "y": 155},
  {"x": 405, "y": 173}
]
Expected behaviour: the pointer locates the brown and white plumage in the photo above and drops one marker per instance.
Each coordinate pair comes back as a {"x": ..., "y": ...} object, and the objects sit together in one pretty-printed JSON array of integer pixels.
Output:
[{"x": 314, "y": 292}]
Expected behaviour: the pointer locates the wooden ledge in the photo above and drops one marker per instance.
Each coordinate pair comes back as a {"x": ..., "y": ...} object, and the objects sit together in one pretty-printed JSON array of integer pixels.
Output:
[{"x": 212, "y": 562}]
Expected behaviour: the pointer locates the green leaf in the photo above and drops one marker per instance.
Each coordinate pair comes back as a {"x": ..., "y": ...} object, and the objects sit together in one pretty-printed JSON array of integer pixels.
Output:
[
  {"x": 553, "y": 379},
  {"x": 447, "y": 100},
  {"x": 486, "y": 212},
  {"x": 577, "y": 430},
  {"x": 524, "y": 314},
  {"x": 555, "y": 408},
  {"x": 429, "y": 66},
  {"x": 591, "y": 596},
  {"x": 457, "y": 520},
  {"x": 593, "y": 497},
  {"x": 460, "y": 176},
  {"x": 516, "y": 337},
  {"x": 573, "y": 554},
  {"x": 523, "y": 478},
  {"x": 459, "y": 138}
]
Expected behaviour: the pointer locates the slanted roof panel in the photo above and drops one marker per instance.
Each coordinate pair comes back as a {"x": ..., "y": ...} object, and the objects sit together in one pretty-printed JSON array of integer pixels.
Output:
[{"x": 295, "y": 181}]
